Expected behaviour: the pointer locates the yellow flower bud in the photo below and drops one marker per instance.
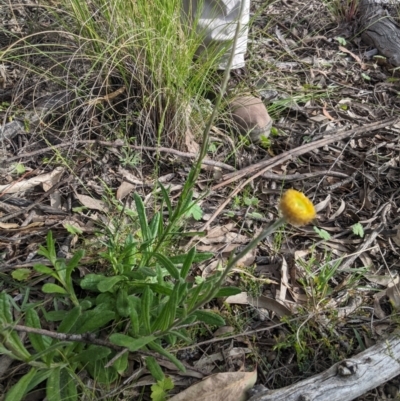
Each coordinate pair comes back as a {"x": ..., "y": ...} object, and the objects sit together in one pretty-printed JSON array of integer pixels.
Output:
[{"x": 296, "y": 208}]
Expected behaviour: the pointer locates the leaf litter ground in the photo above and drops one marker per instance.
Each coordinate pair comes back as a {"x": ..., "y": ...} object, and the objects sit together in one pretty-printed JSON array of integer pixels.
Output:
[{"x": 310, "y": 297}]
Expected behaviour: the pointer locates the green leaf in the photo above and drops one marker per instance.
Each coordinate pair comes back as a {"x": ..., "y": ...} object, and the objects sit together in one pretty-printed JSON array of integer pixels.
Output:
[
  {"x": 44, "y": 270},
  {"x": 189, "y": 320},
  {"x": 253, "y": 201},
  {"x": 187, "y": 203},
  {"x": 85, "y": 304},
  {"x": 166, "y": 317},
  {"x": 19, "y": 390},
  {"x": 21, "y": 274},
  {"x": 183, "y": 291},
  {"x": 158, "y": 348},
  {"x": 366, "y": 77},
  {"x": 106, "y": 300},
  {"x": 53, "y": 390},
  {"x": 94, "y": 319},
  {"x": 73, "y": 229},
  {"x": 5, "y": 308},
  {"x": 107, "y": 283},
  {"x": 91, "y": 281},
  {"x": 209, "y": 318},
  {"x": 69, "y": 320},
  {"x": 147, "y": 300},
  {"x": 182, "y": 335},
  {"x": 68, "y": 386},
  {"x": 341, "y": 40},
  {"x": 74, "y": 262},
  {"x": 187, "y": 264},
  {"x": 133, "y": 344},
  {"x": 155, "y": 226},
  {"x": 47, "y": 354},
  {"x": 166, "y": 199},
  {"x": 19, "y": 168},
  {"x": 50, "y": 288},
  {"x": 92, "y": 353},
  {"x": 194, "y": 295},
  {"x": 55, "y": 315},
  {"x": 39, "y": 342},
  {"x": 40, "y": 377},
  {"x": 154, "y": 368},
  {"x": 164, "y": 289},
  {"x": 61, "y": 269},
  {"x": 160, "y": 289},
  {"x": 256, "y": 215},
  {"x": 50, "y": 251},
  {"x": 358, "y": 229},
  {"x": 228, "y": 291},
  {"x": 102, "y": 374},
  {"x": 134, "y": 317},
  {"x": 199, "y": 257},
  {"x": 167, "y": 264},
  {"x": 11, "y": 340},
  {"x": 140, "y": 208},
  {"x": 5, "y": 351},
  {"x": 159, "y": 390},
  {"x": 122, "y": 303},
  {"x": 121, "y": 364},
  {"x": 202, "y": 292},
  {"x": 147, "y": 271},
  {"x": 322, "y": 233},
  {"x": 170, "y": 338},
  {"x": 195, "y": 211}
]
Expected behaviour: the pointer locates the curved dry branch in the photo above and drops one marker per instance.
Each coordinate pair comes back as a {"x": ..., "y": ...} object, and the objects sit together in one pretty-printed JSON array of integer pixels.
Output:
[{"x": 345, "y": 380}]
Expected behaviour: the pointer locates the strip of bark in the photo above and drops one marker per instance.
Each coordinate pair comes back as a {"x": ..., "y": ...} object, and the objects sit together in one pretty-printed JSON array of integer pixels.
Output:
[
  {"x": 380, "y": 30},
  {"x": 345, "y": 380}
]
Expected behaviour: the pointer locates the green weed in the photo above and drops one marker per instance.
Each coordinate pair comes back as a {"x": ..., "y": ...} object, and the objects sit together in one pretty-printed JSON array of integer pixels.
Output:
[{"x": 342, "y": 10}]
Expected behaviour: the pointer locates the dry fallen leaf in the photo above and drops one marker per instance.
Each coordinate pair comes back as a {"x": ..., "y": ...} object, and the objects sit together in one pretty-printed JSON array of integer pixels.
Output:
[
  {"x": 54, "y": 178},
  {"x": 25, "y": 185},
  {"x": 259, "y": 302},
  {"x": 393, "y": 293},
  {"x": 191, "y": 145},
  {"x": 380, "y": 280},
  {"x": 124, "y": 189},
  {"x": 319, "y": 118},
  {"x": 220, "y": 387},
  {"x": 396, "y": 238},
  {"x": 206, "y": 364},
  {"x": 224, "y": 235},
  {"x": 8, "y": 226},
  {"x": 323, "y": 204},
  {"x": 91, "y": 203},
  {"x": 378, "y": 311},
  {"x": 281, "y": 296},
  {"x": 344, "y": 50}
]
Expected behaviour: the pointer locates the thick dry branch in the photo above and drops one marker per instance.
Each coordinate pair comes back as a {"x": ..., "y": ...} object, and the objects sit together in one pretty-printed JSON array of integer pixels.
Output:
[
  {"x": 345, "y": 380},
  {"x": 380, "y": 30}
]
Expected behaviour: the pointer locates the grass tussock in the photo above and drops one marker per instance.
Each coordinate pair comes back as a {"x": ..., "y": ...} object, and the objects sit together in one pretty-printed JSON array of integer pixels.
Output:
[{"x": 134, "y": 60}]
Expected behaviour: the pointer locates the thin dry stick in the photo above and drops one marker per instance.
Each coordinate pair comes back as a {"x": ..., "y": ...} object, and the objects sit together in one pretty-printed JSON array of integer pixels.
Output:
[
  {"x": 36, "y": 203},
  {"x": 84, "y": 338},
  {"x": 186, "y": 155},
  {"x": 91, "y": 339},
  {"x": 232, "y": 177},
  {"x": 245, "y": 333},
  {"x": 362, "y": 248},
  {"x": 118, "y": 144},
  {"x": 268, "y": 164}
]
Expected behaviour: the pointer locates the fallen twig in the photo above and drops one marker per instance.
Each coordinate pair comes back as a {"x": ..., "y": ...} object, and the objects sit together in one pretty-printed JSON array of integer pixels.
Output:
[
  {"x": 265, "y": 165},
  {"x": 345, "y": 380}
]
